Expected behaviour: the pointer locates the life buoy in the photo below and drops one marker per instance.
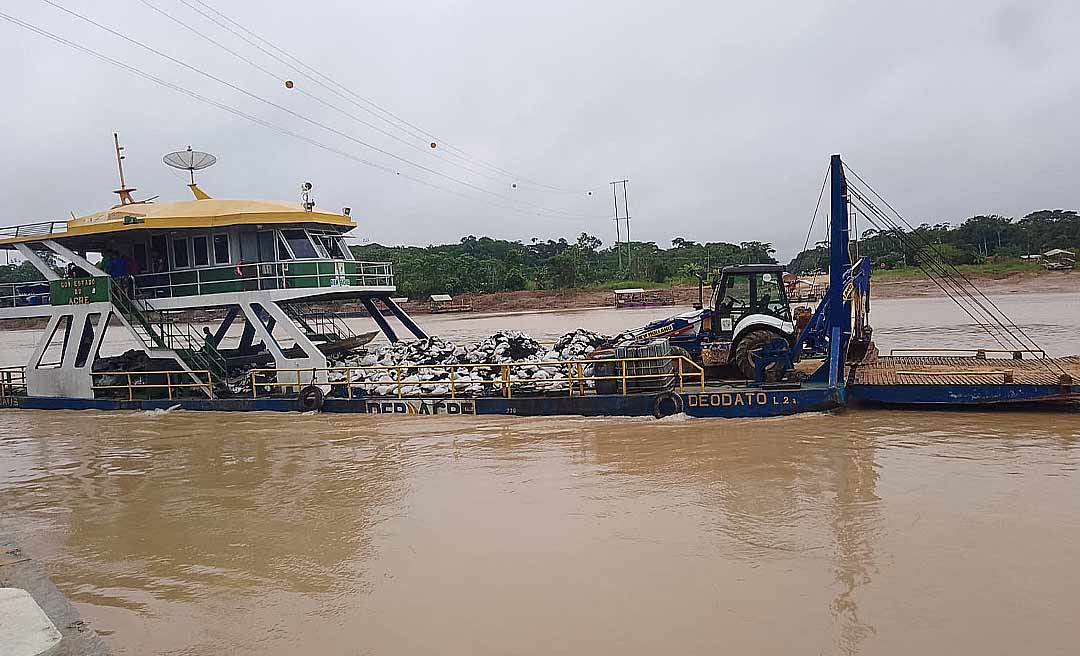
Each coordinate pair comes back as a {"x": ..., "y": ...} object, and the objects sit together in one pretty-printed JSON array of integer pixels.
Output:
[
  {"x": 666, "y": 404},
  {"x": 310, "y": 398}
]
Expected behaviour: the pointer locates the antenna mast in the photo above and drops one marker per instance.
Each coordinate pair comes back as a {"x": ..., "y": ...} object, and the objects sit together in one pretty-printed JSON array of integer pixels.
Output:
[{"x": 124, "y": 191}]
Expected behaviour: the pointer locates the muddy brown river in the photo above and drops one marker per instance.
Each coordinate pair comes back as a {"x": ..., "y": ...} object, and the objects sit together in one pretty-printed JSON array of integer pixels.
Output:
[{"x": 871, "y": 532}]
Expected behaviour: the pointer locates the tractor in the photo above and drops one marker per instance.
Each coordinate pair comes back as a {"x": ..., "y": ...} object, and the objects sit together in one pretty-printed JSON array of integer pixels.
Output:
[{"x": 750, "y": 317}]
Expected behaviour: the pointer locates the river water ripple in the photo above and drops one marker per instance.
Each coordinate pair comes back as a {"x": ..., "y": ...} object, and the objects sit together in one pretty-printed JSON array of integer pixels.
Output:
[{"x": 875, "y": 532}]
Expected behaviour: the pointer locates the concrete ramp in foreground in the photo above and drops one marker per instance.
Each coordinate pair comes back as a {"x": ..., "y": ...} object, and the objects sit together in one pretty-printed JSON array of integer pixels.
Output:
[{"x": 26, "y": 630}]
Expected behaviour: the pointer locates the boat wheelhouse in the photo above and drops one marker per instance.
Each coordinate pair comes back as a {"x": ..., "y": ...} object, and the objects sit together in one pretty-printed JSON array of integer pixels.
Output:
[{"x": 269, "y": 265}]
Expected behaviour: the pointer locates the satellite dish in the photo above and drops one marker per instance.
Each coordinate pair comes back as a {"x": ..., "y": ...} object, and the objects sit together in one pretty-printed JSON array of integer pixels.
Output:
[{"x": 190, "y": 160}]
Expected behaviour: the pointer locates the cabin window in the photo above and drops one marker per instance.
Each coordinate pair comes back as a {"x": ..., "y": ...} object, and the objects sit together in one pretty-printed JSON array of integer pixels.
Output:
[
  {"x": 139, "y": 259},
  {"x": 221, "y": 249},
  {"x": 299, "y": 244},
  {"x": 201, "y": 256},
  {"x": 334, "y": 246},
  {"x": 180, "y": 259},
  {"x": 249, "y": 247},
  {"x": 346, "y": 252},
  {"x": 266, "y": 246},
  {"x": 283, "y": 250},
  {"x": 320, "y": 248},
  {"x": 159, "y": 254}
]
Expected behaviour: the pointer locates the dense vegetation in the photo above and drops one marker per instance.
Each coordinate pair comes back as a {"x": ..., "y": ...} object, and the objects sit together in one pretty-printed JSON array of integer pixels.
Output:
[
  {"x": 482, "y": 264},
  {"x": 22, "y": 272},
  {"x": 978, "y": 240}
]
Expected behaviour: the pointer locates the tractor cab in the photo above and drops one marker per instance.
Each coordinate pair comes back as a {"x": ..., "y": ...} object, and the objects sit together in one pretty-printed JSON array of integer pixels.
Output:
[
  {"x": 750, "y": 294},
  {"x": 750, "y": 318}
]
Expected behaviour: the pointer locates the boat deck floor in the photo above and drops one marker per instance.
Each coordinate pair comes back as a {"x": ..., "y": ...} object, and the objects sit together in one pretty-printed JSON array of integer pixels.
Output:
[{"x": 951, "y": 370}]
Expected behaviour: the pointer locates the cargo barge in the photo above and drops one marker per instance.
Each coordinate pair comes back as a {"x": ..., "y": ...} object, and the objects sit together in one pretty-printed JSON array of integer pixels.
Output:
[{"x": 273, "y": 268}]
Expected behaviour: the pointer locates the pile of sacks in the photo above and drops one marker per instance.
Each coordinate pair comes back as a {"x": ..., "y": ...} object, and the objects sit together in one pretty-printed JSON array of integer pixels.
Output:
[{"x": 409, "y": 359}]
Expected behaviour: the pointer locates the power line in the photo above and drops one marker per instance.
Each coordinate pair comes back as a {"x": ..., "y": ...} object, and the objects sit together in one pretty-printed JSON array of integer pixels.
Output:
[
  {"x": 817, "y": 206},
  {"x": 937, "y": 268},
  {"x": 306, "y": 119},
  {"x": 369, "y": 106},
  {"x": 282, "y": 79},
  {"x": 951, "y": 292},
  {"x": 232, "y": 110},
  {"x": 1000, "y": 315}
]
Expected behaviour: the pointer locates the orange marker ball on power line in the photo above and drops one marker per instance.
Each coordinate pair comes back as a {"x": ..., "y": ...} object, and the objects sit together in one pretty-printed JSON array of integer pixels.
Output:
[
  {"x": 288, "y": 84},
  {"x": 433, "y": 144}
]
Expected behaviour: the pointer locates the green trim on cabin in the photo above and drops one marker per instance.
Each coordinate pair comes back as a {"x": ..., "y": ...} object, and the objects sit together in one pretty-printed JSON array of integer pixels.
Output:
[
  {"x": 219, "y": 281},
  {"x": 310, "y": 274}
]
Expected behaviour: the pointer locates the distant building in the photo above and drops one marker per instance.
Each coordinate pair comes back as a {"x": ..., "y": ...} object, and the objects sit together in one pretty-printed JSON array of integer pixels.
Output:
[
  {"x": 444, "y": 303},
  {"x": 638, "y": 297},
  {"x": 1055, "y": 259}
]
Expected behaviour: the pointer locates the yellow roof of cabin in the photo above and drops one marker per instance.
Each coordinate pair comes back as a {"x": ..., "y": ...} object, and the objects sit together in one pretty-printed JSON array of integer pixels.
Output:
[
  {"x": 191, "y": 214},
  {"x": 207, "y": 213}
]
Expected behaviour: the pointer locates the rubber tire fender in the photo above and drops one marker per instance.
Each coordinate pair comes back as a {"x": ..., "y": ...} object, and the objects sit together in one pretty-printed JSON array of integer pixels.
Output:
[
  {"x": 310, "y": 398},
  {"x": 666, "y": 404}
]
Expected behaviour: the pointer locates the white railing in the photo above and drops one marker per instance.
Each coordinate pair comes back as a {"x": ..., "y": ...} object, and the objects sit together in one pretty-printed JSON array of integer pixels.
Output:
[
  {"x": 39, "y": 229},
  {"x": 260, "y": 276},
  {"x": 24, "y": 294}
]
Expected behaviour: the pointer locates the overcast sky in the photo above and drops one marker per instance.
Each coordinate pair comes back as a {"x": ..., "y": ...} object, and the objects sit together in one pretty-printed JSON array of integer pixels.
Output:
[{"x": 721, "y": 114}]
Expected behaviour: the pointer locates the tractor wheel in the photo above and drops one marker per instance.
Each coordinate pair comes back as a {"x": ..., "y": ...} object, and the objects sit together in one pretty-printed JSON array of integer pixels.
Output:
[
  {"x": 748, "y": 347},
  {"x": 676, "y": 352}
]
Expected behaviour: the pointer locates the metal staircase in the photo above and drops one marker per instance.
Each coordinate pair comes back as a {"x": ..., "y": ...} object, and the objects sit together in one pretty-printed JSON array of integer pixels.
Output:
[
  {"x": 156, "y": 331},
  {"x": 318, "y": 324}
]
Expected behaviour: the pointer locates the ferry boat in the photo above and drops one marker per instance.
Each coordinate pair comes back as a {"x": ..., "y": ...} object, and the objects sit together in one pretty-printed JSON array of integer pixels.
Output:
[
  {"x": 263, "y": 263},
  {"x": 273, "y": 268}
]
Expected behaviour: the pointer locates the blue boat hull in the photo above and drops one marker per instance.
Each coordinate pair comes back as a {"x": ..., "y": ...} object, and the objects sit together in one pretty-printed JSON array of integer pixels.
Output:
[
  {"x": 959, "y": 395},
  {"x": 633, "y": 405},
  {"x": 718, "y": 402},
  {"x": 758, "y": 402}
]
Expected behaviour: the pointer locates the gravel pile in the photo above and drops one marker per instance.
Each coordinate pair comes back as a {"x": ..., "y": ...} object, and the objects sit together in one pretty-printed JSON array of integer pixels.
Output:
[{"x": 504, "y": 347}]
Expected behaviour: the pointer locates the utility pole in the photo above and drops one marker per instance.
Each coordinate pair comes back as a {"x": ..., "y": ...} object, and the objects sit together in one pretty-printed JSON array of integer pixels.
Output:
[
  {"x": 625, "y": 217},
  {"x": 626, "y": 211},
  {"x": 618, "y": 236}
]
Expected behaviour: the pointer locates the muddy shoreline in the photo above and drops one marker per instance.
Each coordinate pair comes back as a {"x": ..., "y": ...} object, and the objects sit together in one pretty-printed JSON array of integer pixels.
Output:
[
  {"x": 1048, "y": 282},
  {"x": 570, "y": 299}
]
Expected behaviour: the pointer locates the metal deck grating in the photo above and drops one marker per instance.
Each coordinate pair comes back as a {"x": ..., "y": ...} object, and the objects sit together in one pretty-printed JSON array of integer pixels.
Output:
[{"x": 951, "y": 370}]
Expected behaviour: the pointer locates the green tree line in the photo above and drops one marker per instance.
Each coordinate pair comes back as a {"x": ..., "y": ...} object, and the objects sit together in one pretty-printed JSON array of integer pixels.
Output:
[
  {"x": 974, "y": 241},
  {"x": 483, "y": 264},
  {"x": 22, "y": 272}
]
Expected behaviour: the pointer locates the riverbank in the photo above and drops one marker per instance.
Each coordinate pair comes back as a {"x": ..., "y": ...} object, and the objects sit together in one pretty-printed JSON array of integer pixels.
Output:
[
  {"x": 1013, "y": 282},
  {"x": 18, "y": 570},
  {"x": 891, "y": 286}
]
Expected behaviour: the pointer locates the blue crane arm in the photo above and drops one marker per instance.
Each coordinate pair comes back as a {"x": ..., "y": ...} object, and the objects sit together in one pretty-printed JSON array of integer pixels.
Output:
[{"x": 814, "y": 338}]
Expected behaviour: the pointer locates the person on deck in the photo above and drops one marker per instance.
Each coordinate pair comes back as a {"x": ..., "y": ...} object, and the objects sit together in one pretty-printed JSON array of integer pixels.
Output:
[{"x": 123, "y": 266}]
